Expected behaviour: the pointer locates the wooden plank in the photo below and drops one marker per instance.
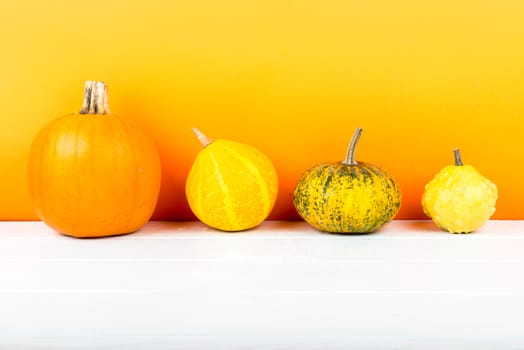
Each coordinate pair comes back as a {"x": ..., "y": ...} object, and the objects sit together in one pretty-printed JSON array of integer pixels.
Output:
[{"x": 281, "y": 286}]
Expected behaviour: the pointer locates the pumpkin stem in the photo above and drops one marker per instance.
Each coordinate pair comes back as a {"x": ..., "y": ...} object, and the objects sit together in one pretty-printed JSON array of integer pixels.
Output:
[
  {"x": 204, "y": 140},
  {"x": 350, "y": 155},
  {"x": 95, "y": 98},
  {"x": 458, "y": 158}
]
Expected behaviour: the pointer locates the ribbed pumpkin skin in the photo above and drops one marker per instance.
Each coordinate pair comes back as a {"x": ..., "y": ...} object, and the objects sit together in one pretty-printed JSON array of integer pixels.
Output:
[
  {"x": 231, "y": 186},
  {"x": 93, "y": 175},
  {"x": 339, "y": 198}
]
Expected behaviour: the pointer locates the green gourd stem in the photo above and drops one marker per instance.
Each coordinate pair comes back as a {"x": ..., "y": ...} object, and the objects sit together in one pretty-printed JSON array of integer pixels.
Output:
[
  {"x": 95, "y": 98},
  {"x": 350, "y": 154},
  {"x": 203, "y": 139},
  {"x": 458, "y": 159}
]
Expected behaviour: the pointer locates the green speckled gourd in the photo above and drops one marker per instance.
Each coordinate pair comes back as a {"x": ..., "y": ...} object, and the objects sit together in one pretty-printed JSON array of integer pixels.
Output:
[{"x": 348, "y": 196}]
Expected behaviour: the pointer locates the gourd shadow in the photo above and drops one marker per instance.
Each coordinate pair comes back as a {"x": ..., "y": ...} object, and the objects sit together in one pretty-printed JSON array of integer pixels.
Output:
[
  {"x": 422, "y": 226},
  {"x": 176, "y": 153},
  {"x": 173, "y": 227},
  {"x": 349, "y": 233},
  {"x": 94, "y": 238}
]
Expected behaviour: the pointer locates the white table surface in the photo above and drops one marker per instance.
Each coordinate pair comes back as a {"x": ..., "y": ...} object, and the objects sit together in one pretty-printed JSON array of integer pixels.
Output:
[{"x": 176, "y": 285}]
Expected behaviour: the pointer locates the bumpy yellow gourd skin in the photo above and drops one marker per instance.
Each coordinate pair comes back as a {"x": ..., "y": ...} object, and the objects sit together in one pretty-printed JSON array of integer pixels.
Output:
[
  {"x": 459, "y": 199},
  {"x": 231, "y": 186}
]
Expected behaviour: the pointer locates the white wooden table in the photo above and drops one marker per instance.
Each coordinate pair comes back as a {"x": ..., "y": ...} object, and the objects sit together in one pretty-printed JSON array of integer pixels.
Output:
[{"x": 177, "y": 285}]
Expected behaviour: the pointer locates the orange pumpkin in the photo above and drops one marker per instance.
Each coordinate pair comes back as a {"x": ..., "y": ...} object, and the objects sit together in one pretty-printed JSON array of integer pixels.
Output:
[{"x": 93, "y": 174}]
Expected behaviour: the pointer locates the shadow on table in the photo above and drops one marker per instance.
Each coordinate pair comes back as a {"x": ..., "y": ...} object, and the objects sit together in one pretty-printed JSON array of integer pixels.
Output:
[
  {"x": 422, "y": 226},
  {"x": 173, "y": 227}
]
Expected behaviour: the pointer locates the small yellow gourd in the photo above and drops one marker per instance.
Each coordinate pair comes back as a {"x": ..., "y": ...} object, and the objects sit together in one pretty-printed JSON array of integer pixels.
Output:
[
  {"x": 231, "y": 186},
  {"x": 347, "y": 196},
  {"x": 459, "y": 199}
]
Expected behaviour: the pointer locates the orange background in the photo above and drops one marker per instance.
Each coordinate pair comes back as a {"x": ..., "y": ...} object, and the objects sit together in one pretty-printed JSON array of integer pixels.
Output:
[{"x": 292, "y": 78}]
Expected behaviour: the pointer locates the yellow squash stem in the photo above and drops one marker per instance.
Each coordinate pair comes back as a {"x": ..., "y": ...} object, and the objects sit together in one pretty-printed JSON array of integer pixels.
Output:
[
  {"x": 350, "y": 155},
  {"x": 203, "y": 139},
  {"x": 458, "y": 158}
]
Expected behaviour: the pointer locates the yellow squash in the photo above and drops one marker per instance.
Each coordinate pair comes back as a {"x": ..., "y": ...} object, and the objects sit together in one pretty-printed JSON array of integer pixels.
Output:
[
  {"x": 231, "y": 186},
  {"x": 348, "y": 196},
  {"x": 459, "y": 199}
]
